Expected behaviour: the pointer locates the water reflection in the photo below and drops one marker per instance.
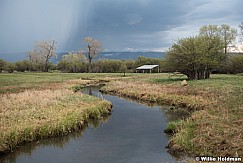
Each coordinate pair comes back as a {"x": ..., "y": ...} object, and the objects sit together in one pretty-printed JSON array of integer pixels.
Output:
[
  {"x": 133, "y": 133},
  {"x": 93, "y": 91},
  {"x": 175, "y": 114},
  {"x": 57, "y": 142}
]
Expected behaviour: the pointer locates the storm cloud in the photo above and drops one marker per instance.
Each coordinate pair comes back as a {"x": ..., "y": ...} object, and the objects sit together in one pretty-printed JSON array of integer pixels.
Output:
[{"x": 121, "y": 25}]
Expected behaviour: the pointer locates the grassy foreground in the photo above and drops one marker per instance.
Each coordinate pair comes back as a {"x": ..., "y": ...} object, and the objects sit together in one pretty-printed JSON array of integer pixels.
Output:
[
  {"x": 216, "y": 125},
  {"x": 40, "y": 105}
]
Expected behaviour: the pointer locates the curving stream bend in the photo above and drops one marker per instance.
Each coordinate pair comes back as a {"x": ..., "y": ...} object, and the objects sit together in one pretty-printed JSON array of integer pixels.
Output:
[{"x": 133, "y": 133}]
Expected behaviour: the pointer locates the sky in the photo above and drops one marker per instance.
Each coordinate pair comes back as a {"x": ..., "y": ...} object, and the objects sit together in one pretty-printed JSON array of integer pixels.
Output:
[{"x": 121, "y": 25}]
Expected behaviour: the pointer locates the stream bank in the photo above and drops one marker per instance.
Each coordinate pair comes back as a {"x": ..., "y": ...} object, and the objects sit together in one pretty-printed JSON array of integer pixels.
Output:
[
  {"x": 36, "y": 114},
  {"x": 214, "y": 125},
  {"x": 133, "y": 133}
]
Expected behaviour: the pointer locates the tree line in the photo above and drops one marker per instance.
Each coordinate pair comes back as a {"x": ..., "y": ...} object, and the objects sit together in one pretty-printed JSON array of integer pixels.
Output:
[
  {"x": 73, "y": 64},
  {"x": 196, "y": 56}
]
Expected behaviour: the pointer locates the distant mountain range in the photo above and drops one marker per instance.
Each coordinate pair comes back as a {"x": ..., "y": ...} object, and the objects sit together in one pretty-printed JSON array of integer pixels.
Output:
[
  {"x": 103, "y": 55},
  {"x": 129, "y": 55}
]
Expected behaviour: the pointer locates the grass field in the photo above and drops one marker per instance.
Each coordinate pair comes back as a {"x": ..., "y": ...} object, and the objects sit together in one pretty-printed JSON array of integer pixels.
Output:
[
  {"x": 40, "y": 105},
  {"x": 214, "y": 128},
  {"x": 216, "y": 124},
  {"x": 18, "y": 82}
]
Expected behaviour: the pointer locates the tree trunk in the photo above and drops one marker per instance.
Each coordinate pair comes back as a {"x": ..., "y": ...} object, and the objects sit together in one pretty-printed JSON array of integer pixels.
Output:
[
  {"x": 200, "y": 74},
  {"x": 46, "y": 66},
  {"x": 207, "y": 74},
  {"x": 90, "y": 58},
  {"x": 191, "y": 75},
  {"x": 90, "y": 68}
]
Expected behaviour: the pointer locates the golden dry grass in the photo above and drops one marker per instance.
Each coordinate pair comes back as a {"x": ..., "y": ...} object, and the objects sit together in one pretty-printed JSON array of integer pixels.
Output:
[
  {"x": 214, "y": 129},
  {"x": 163, "y": 94},
  {"x": 220, "y": 134},
  {"x": 22, "y": 108},
  {"x": 38, "y": 105},
  {"x": 47, "y": 110}
]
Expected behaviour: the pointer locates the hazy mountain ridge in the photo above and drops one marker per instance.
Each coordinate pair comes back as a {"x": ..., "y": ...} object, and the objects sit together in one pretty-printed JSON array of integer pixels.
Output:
[
  {"x": 13, "y": 57},
  {"x": 129, "y": 55}
]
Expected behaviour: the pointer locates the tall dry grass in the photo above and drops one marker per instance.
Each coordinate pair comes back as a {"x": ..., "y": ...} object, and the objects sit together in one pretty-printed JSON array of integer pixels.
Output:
[
  {"x": 215, "y": 129},
  {"x": 30, "y": 115},
  {"x": 163, "y": 94}
]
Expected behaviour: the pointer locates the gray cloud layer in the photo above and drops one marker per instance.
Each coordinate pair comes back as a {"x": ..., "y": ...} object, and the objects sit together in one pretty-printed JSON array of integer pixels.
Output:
[{"x": 119, "y": 24}]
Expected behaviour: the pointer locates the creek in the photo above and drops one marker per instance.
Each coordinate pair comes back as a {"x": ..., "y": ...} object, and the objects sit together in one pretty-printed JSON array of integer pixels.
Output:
[{"x": 132, "y": 133}]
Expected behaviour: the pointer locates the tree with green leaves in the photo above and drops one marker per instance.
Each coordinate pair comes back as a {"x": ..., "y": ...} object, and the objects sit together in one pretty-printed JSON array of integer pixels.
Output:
[
  {"x": 10, "y": 67},
  {"x": 24, "y": 65},
  {"x": 209, "y": 31},
  {"x": 72, "y": 62},
  {"x": 236, "y": 64},
  {"x": 123, "y": 68},
  {"x": 225, "y": 32},
  {"x": 146, "y": 61},
  {"x": 241, "y": 31},
  {"x": 2, "y": 64},
  {"x": 195, "y": 56},
  {"x": 228, "y": 35}
]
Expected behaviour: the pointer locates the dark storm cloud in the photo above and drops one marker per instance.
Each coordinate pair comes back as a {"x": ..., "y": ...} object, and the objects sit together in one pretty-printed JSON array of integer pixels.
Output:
[
  {"x": 149, "y": 24},
  {"x": 119, "y": 24},
  {"x": 128, "y": 23},
  {"x": 134, "y": 16},
  {"x": 25, "y": 21}
]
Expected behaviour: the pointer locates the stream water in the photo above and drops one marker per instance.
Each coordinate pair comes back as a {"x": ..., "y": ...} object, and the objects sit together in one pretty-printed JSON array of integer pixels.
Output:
[{"x": 133, "y": 133}]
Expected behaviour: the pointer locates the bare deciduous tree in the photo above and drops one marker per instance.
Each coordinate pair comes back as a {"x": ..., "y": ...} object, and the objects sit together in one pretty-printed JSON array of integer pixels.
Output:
[
  {"x": 34, "y": 57},
  {"x": 93, "y": 49},
  {"x": 43, "y": 52}
]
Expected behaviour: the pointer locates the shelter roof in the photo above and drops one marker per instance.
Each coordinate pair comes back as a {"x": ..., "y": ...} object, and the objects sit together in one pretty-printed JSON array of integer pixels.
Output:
[{"x": 147, "y": 67}]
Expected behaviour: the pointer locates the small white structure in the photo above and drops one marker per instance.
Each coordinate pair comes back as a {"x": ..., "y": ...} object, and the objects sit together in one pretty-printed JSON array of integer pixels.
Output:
[
  {"x": 184, "y": 83},
  {"x": 147, "y": 67}
]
